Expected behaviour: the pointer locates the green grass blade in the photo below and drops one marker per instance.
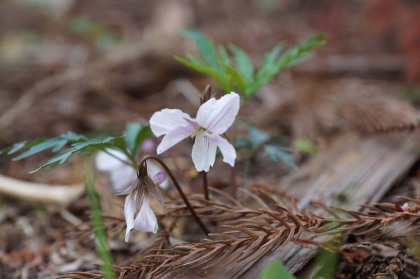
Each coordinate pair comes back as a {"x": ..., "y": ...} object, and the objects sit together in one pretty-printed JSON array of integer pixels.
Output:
[{"x": 98, "y": 225}]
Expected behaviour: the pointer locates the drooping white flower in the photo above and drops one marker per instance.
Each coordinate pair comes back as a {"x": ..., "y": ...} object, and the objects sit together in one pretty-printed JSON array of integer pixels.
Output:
[
  {"x": 122, "y": 175},
  {"x": 213, "y": 119},
  {"x": 138, "y": 196}
]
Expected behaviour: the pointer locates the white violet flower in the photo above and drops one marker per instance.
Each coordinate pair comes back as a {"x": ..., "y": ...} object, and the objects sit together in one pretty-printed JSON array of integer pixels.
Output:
[
  {"x": 214, "y": 117},
  {"x": 138, "y": 196}
]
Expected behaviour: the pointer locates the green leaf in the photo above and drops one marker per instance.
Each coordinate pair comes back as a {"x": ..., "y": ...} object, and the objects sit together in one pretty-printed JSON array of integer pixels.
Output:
[
  {"x": 195, "y": 64},
  {"x": 268, "y": 61},
  {"x": 276, "y": 152},
  {"x": 276, "y": 270},
  {"x": 297, "y": 54},
  {"x": 235, "y": 78},
  {"x": 135, "y": 134},
  {"x": 55, "y": 144},
  {"x": 326, "y": 261},
  {"x": 272, "y": 66},
  {"x": 258, "y": 137},
  {"x": 132, "y": 129},
  {"x": 305, "y": 146},
  {"x": 87, "y": 146},
  {"x": 14, "y": 148},
  {"x": 224, "y": 56},
  {"x": 205, "y": 47},
  {"x": 216, "y": 63},
  {"x": 243, "y": 63},
  {"x": 243, "y": 143}
]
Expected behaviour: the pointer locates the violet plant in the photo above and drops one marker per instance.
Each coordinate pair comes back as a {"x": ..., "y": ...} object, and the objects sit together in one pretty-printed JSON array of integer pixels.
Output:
[
  {"x": 231, "y": 66},
  {"x": 232, "y": 69},
  {"x": 119, "y": 155}
]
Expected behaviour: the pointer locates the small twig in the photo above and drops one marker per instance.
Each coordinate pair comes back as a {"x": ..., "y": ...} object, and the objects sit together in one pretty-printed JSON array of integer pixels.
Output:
[
  {"x": 60, "y": 195},
  {"x": 205, "y": 185},
  {"x": 233, "y": 182},
  {"x": 181, "y": 193}
]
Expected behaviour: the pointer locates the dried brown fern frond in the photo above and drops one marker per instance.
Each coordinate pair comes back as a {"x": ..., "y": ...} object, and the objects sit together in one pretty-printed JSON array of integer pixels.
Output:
[
  {"x": 382, "y": 220},
  {"x": 262, "y": 231},
  {"x": 131, "y": 271},
  {"x": 251, "y": 237},
  {"x": 224, "y": 208},
  {"x": 253, "y": 229}
]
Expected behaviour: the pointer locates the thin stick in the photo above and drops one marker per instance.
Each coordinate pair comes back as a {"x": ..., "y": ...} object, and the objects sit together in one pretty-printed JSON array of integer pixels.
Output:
[
  {"x": 205, "y": 185},
  {"x": 181, "y": 193},
  {"x": 233, "y": 183}
]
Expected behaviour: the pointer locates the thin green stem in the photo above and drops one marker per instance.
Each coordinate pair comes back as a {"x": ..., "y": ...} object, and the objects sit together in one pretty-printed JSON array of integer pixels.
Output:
[
  {"x": 179, "y": 189},
  {"x": 119, "y": 159}
]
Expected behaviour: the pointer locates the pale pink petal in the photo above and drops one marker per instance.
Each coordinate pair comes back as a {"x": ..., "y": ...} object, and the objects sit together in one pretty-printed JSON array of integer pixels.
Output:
[
  {"x": 166, "y": 120},
  {"x": 130, "y": 207},
  {"x": 227, "y": 149},
  {"x": 175, "y": 136},
  {"x": 146, "y": 219},
  {"x": 152, "y": 169},
  {"x": 218, "y": 115},
  {"x": 203, "y": 152},
  {"x": 159, "y": 177}
]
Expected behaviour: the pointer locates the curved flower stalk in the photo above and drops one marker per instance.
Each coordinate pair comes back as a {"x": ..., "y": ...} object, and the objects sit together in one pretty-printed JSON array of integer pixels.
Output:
[
  {"x": 138, "y": 196},
  {"x": 122, "y": 174},
  {"x": 213, "y": 119}
]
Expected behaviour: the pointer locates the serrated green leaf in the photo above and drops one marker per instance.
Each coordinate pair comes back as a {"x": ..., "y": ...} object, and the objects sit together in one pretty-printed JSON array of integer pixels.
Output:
[
  {"x": 87, "y": 146},
  {"x": 243, "y": 63},
  {"x": 223, "y": 56},
  {"x": 14, "y": 148},
  {"x": 276, "y": 270},
  {"x": 195, "y": 64},
  {"x": 217, "y": 64},
  {"x": 205, "y": 47},
  {"x": 275, "y": 152},
  {"x": 294, "y": 55},
  {"x": 235, "y": 79},
  {"x": 269, "y": 59},
  {"x": 272, "y": 65},
  {"x": 132, "y": 129},
  {"x": 266, "y": 70},
  {"x": 55, "y": 144}
]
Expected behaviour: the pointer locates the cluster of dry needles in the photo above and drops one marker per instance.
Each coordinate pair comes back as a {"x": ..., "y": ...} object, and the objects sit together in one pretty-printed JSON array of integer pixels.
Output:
[{"x": 257, "y": 222}]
